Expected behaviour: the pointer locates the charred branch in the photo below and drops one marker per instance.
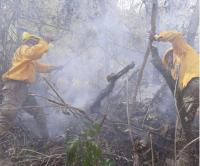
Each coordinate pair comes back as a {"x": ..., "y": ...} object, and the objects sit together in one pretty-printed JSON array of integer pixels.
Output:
[{"x": 112, "y": 78}]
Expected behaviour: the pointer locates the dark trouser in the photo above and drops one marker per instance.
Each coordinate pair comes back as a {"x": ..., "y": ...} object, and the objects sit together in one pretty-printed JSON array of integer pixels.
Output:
[
  {"x": 190, "y": 97},
  {"x": 191, "y": 102},
  {"x": 15, "y": 97}
]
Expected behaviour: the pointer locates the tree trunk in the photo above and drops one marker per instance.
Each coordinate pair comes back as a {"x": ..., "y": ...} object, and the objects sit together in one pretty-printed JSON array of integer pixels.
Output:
[
  {"x": 193, "y": 25},
  {"x": 157, "y": 63}
]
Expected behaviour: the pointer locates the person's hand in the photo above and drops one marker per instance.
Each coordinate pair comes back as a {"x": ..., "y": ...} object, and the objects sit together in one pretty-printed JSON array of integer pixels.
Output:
[
  {"x": 151, "y": 35},
  {"x": 157, "y": 37},
  {"x": 55, "y": 68}
]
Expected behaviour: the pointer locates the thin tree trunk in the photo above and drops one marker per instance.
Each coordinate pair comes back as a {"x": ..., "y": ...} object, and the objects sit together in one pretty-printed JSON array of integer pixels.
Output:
[
  {"x": 193, "y": 25},
  {"x": 157, "y": 63}
]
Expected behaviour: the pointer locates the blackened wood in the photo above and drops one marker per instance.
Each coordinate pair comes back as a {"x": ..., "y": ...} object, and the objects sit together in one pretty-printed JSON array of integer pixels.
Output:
[{"x": 112, "y": 78}]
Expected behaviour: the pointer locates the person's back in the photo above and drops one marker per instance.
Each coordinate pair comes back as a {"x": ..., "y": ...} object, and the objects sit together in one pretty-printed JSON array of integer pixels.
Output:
[
  {"x": 24, "y": 65},
  {"x": 184, "y": 56}
]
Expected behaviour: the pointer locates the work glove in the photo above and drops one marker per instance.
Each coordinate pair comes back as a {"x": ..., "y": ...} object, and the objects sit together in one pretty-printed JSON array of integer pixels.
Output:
[{"x": 156, "y": 37}]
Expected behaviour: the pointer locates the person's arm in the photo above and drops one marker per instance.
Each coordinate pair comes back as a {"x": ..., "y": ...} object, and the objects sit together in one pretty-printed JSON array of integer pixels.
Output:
[
  {"x": 35, "y": 52},
  {"x": 157, "y": 62},
  {"x": 180, "y": 46},
  {"x": 44, "y": 68},
  {"x": 167, "y": 36}
]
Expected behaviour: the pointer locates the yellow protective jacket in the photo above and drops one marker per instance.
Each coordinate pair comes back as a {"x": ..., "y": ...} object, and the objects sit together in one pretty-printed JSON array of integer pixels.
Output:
[
  {"x": 183, "y": 55},
  {"x": 24, "y": 65}
]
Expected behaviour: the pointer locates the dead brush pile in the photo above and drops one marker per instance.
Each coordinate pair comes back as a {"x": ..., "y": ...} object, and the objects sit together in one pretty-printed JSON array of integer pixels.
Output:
[
  {"x": 107, "y": 139},
  {"x": 20, "y": 147}
]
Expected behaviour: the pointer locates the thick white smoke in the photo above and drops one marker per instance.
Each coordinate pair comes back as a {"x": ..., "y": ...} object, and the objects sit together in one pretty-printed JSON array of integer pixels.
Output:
[
  {"x": 97, "y": 43},
  {"x": 89, "y": 52}
]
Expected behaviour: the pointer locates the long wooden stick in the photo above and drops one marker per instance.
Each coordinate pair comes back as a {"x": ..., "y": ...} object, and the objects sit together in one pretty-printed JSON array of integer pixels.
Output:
[
  {"x": 147, "y": 53},
  {"x": 63, "y": 105},
  {"x": 175, "y": 140},
  {"x": 140, "y": 74},
  {"x": 54, "y": 90},
  {"x": 127, "y": 112},
  {"x": 152, "y": 152}
]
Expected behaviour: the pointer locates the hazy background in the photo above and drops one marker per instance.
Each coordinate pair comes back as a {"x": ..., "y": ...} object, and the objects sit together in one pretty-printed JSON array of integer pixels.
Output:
[{"x": 93, "y": 38}]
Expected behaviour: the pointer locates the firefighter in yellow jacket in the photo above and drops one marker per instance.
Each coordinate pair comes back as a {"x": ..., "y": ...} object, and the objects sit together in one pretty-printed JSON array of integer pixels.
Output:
[
  {"x": 17, "y": 79},
  {"x": 183, "y": 62}
]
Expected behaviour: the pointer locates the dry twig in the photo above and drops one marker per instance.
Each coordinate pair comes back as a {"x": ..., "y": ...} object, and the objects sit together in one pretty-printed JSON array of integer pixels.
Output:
[
  {"x": 128, "y": 114},
  {"x": 186, "y": 146},
  {"x": 152, "y": 152},
  {"x": 140, "y": 75}
]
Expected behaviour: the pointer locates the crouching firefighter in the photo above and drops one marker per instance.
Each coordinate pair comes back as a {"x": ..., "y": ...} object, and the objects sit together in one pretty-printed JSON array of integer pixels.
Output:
[
  {"x": 183, "y": 63},
  {"x": 17, "y": 80}
]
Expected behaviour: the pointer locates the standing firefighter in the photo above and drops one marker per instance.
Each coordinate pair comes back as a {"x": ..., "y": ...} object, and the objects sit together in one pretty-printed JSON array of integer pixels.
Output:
[
  {"x": 183, "y": 63},
  {"x": 17, "y": 79}
]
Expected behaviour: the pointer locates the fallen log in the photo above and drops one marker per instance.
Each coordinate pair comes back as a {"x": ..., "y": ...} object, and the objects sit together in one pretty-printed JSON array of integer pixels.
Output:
[{"x": 112, "y": 78}]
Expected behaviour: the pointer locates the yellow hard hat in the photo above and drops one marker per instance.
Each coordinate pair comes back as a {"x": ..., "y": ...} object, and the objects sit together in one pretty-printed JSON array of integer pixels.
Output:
[{"x": 27, "y": 36}]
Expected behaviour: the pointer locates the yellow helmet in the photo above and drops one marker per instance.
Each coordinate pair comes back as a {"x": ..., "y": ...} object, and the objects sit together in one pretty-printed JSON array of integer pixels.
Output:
[{"x": 27, "y": 36}]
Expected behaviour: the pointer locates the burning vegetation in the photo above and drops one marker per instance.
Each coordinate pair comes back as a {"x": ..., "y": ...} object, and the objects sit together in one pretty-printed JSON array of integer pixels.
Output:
[{"x": 87, "y": 83}]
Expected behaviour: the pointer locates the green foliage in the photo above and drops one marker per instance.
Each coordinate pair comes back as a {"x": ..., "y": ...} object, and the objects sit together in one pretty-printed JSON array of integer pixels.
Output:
[{"x": 83, "y": 150}]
